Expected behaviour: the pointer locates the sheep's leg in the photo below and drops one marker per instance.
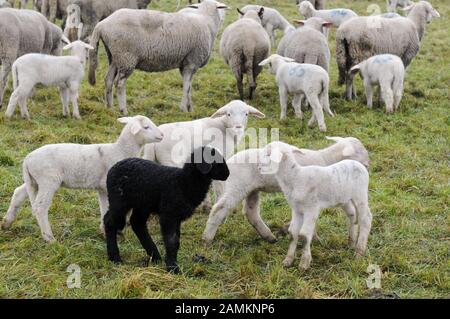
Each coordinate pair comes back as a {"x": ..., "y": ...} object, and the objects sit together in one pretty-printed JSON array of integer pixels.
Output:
[
  {"x": 13, "y": 100},
  {"x": 252, "y": 211},
  {"x": 74, "y": 97},
  {"x": 398, "y": 93},
  {"x": 369, "y": 93},
  {"x": 40, "y": 208},
  {"x": 218, "y": 214},
  {"x": 365, "y": 224},
  {"x": 251, "y": 81},
  {"x": 239, "y": 80},
  {"x": 297, "y": 105},
  {"x": 111, "y": 229},
  {"x": 388, "y": 97},
  {"x": 6, "y": 68},
  {"x": 283, "y": 102},
  {"x": 18, "y": 198},
  {"x": 109, "y": 83},
  {"x": 271, "y": 33},
  {"x": 138, "y": 223},
  {"x": 317, "y": 111},
  {"x": 23, "y": 107},
  {"x": 122, "y": 91},
  {"x": 103, "y": 203},
  {"x": 170, "y": 230},
  {"x": 187, "y": 73},
  {"x": 352, "y": 223},
  {"x": 325, "y": 101},
  {"x": 307, "y": 233},
  {"x": 64, "y": 93},
  {"x": 349, "y": 89},
  {"x": 294, "y": 229}
]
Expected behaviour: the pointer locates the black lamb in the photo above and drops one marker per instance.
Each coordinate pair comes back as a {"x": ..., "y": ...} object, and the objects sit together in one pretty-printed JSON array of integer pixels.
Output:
[{"x": 171, "y": 193}]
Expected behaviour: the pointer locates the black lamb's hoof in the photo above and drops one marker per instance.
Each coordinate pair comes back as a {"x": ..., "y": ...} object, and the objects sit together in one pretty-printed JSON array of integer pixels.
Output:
[
  {"x": 200, "y": 259},
  {"x": 116, "y": 261},
  {"x": 174, "y": 269}
]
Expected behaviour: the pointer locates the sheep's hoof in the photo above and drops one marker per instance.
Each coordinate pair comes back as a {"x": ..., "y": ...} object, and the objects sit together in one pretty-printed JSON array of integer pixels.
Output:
[
  {"x": 323, "y": 129},
  {"x": 49, "y": 239},
  {"x": 124, "y": 112},
  {"x": 5, "y": 225},
  {"x": 271, "y": 239},
  {"x": 287, "y": 262},
  {"x": 207, "y": 242},
  {"x": 174, "y": 269},
  {"x": 77, "y": 117},
  {"x": 299, "y": 116},
  {"x": 304, "y": 264},
  {"x": 117, "y": 261}
]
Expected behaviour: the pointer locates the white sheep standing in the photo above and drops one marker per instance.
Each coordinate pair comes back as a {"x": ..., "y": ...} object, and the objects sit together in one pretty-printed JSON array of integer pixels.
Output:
[
  {"x": 76, "y": 166},
  {"x": 246, "y": 182},
  {"x": 336, "y": 16},
  {"x": 67, "y": 72},
  {"x": 301, "y": 79},
  {"x": 311, "y": 189},
  {"x": 385, "y": 71},
  {"x": 272, "y": 20}
]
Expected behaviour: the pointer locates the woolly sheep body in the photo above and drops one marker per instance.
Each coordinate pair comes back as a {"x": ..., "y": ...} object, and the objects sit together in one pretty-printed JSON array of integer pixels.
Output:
[
  {"x": 336, "y": 16},
  {"x": 310, "y": 189},
  {"x": 356, "y": 41},
  {"x": 246, "y": 181},
  {"x": 76, "y": 166},
  {"x": 66, "y": 72},
  {"x": 25, "y": 31},
  {"x": 243, "y": 46},
  {"x": 272, "y": 20},
  {"x": 184, "y": 41},
  {"x": 386, "y": 71}
]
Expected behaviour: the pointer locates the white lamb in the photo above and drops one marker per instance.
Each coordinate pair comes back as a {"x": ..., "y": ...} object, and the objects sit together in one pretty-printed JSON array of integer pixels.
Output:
[
  {"x": 67, "y": 72},
  {"x": 335, "y": 16},
  {"x": 246, "y": 182},
  {"x": 385, "y": 71},
  {"x": 301, "y": 79},
  {"x": 76, "y": 166},
  {"x": 310, "y": 189}
]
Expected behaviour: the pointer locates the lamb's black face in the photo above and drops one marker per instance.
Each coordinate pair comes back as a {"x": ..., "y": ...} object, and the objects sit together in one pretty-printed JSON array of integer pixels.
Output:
[{"x": 210, "y": 162}]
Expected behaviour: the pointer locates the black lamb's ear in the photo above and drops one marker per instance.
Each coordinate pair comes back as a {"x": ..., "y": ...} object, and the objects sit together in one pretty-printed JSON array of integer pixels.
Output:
[{"x": 204, "y": 168}]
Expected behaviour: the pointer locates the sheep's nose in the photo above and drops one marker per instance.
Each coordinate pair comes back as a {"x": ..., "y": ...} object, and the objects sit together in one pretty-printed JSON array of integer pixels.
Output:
[{"x": 239, "y": 126}]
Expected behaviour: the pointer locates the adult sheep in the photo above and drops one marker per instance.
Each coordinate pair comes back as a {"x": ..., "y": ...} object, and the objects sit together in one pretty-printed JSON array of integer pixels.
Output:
[
  {"x": 22, "y": 32},
  {"x": 155, "y": 41},
  {"x": 94, "y": 11},
  {"x": 362, "y": 37}
]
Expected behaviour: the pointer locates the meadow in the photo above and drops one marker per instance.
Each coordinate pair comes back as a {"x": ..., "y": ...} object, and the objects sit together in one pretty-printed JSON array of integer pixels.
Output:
[{"x": 409, "y": 190}]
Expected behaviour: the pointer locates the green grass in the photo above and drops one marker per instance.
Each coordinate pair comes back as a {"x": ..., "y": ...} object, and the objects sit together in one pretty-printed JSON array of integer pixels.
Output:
[{"x": 409, "y": 192}]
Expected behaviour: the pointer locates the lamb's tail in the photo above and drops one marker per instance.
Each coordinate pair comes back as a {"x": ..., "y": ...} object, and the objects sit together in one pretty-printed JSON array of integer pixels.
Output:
[
  {"x": 342, "y": 57},
  {"x": 15, "y": 76},
  {"x": 30, "y": 182},
  {"x": 93, "y": 54}
]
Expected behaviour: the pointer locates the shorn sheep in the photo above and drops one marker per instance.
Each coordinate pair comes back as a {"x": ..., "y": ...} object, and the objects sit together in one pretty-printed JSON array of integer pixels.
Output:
[
  {"x": 184, "y": 41},
  {"x": 311, "y": 189},
  {"x": 385, "y": 71},
  {"x": 363, "y": 37},
  {"x": 336, "y": 16},
  {"x": 66, "y": 72},
  {"x": 76, "y": 166},
  {"x": 22, "y": 32},
  {"x": 307, "y": 43},
  {"x": 243, "y": 46},
  {"x": 272, "y": 20},
  {"x": 246, "y": 182},
  {"x": 301, "y": 79},
  {"x": 171, "y": 193}
]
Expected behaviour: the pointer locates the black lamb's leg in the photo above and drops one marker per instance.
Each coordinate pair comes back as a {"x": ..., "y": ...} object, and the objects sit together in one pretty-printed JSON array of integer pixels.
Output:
[
  {"x": 138, "y": 223},
  {"x": 170, "y": 230},
  {"x": 111, "y": 230}
]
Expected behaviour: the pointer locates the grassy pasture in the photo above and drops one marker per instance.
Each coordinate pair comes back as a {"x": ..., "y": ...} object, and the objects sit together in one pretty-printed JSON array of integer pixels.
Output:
[{"x": 409, "y": 191}]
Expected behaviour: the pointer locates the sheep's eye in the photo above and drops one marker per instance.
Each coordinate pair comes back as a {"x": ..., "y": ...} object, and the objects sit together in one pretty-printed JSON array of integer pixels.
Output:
[
  {"x": 229, "y": 114},
  {"x": 270, "y": 64},
  {"x": 146, "y": 127},
  {"x": 246, "y": 114}
]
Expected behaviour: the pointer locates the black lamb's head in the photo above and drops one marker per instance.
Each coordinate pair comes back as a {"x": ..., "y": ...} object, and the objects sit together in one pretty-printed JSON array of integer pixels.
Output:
[{"x": 210, "y": 162}]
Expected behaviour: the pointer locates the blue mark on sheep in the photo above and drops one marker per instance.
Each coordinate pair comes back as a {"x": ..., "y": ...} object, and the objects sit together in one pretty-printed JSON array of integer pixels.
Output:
[
  {"x": 385, "y": 58},
  {"x": 338, "y": 12},
  {"x": 297, "y": 71}
]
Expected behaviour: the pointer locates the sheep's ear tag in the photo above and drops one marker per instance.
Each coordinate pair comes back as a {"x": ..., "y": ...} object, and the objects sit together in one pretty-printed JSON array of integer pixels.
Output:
[{"x": 348, "y": 151}]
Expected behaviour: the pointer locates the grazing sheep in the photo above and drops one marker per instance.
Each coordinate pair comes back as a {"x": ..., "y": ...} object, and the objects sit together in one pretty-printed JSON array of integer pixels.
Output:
[
  {"x": 21, "y": 4},
  {"x": 392, "y": 5},
  {"x": 171, "y": 193},
  {"x": 222, "y": 12},
  {"x": 22, "y": 32},
  {"x": 272, "y": 20},
  {"x": 311, "y": 189},
  {"x": 243, "y": 46},
  {"x": 154, "y": 41},
  {"x": 301, "y": 79},
  {"x": 66, "y": 72},
  {"x": 76, "y": 166},
  {"x": 307, "y": 44},
  {"x": 335, "y": 16},
  {"x": 94, "y": 11},
  {"x": 386, "y": 71},
  {"x": 246, "y": 182},
  {"x": 363, "y": 37}
]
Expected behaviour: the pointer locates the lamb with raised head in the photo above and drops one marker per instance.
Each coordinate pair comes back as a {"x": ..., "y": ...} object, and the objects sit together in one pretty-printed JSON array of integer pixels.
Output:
[
  {"x": 172, "y": 193},
  {"x": 76, "y": 166},
  {"x": 22, "y": 32},
  {"x": 272, "y": 20},
  {"x": 243, "y": 46},
  {"x": 246, "y": 182},
  {"x": 336, "y": 16},
  {"x": 385, "y": 71},
  {"x": 301, "y": 79},
  {"x": 392, "y": 5},
  {"x": 311, "y": 189},
  {"x": 155, "y": 41},
  {"x": 307, "y": 43},
  {"x": 363, "y": 37},
  {"x": 66, "y": 72}
]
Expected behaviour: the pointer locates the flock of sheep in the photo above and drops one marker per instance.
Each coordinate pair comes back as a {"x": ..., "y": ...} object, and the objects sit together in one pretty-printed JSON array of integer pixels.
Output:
[{"x": 379, "y": 48}]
